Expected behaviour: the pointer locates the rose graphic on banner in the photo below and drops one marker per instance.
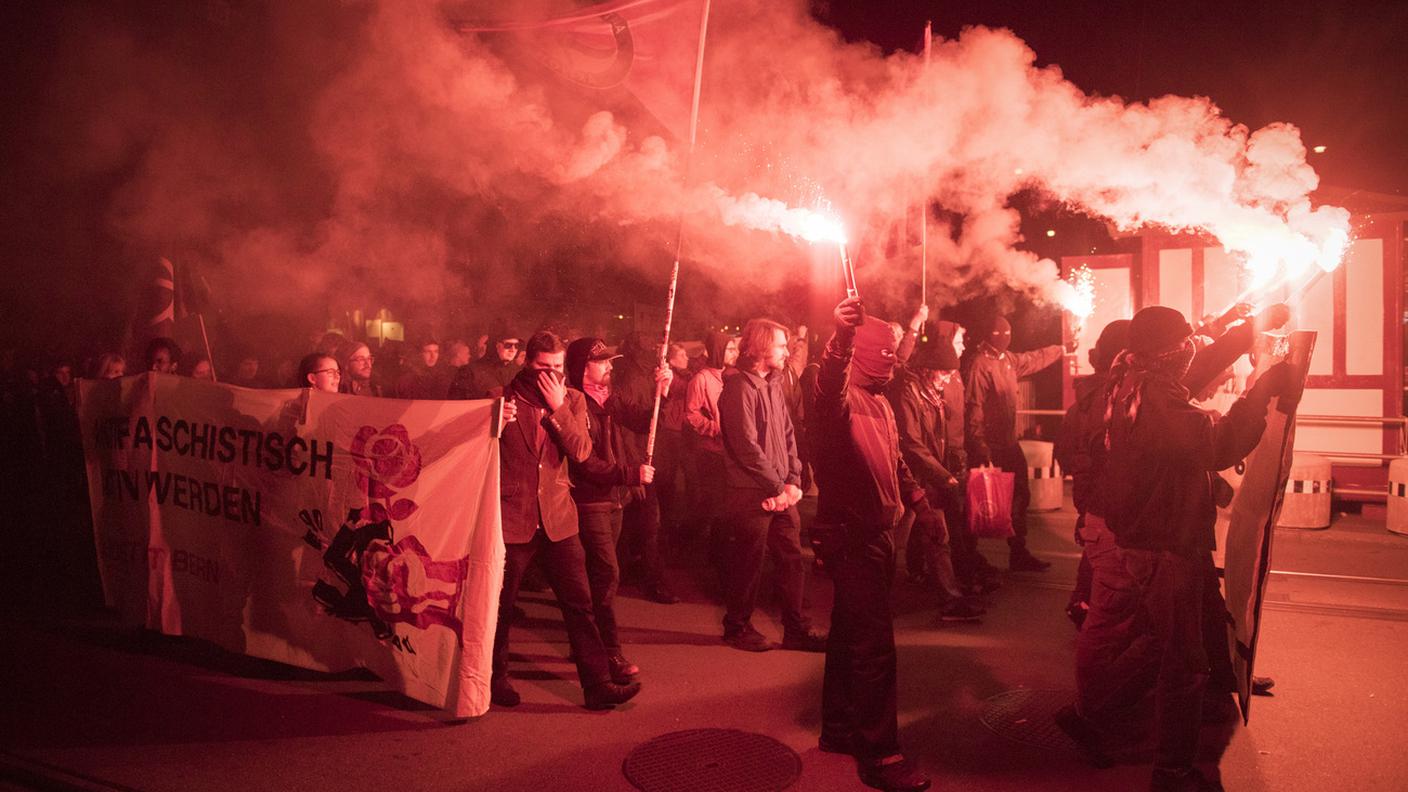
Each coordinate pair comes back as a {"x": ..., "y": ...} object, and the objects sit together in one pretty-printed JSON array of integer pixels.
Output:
[{"x": 387, "y": 461}]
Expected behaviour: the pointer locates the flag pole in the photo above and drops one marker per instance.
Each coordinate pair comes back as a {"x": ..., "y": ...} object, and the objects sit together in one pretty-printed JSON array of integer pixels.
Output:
[
  {"x": 923, "y": 201},
  {"x": 679, "y": 236}
]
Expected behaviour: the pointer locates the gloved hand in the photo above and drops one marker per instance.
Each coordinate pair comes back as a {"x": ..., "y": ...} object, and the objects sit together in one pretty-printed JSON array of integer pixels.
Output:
[{"x": 1279, "y": 380}]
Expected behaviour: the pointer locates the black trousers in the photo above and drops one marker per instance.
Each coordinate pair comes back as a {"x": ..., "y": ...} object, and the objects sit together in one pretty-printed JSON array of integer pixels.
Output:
[
  {"x": 600, "y": 530},
  {"x": 639, "y": 550},
  {"x": 1012, "y": 460},
  {"x": 752, "y": 536},
  {"x": 564, "y": 564},
  {"x": 858, "y": 693}
]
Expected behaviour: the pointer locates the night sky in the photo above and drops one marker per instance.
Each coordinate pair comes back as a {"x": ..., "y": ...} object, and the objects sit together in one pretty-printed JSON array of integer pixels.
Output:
[{"x": 1336, "y": 70}]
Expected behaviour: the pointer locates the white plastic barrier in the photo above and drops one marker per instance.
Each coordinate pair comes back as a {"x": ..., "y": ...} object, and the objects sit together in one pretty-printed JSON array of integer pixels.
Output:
[
  {"x": 1043, "y": 475},
  {"x": 1398, "y": 496},
  {"x": 1307, "y": 503}
]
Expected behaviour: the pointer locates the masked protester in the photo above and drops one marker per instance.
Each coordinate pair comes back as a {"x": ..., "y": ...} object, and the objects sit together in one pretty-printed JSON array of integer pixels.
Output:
[
  {"x": 635, "y": 380},
  {"x": 597, "y": 486},
  {"x": 991, "y": 402},
  {"x": 863, "y": 483},
  {"x": 1156, "y": 458},
  {"x": 764, "y": 477},
  {"x": 916, "y": 394},
  {"x": 540, "y": 519},
  {"x": 1084, "y": 420}
]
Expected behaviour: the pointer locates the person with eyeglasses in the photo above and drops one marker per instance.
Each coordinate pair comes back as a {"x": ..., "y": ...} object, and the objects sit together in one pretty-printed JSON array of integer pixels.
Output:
[
  {"x": 319, "y": 372},
  {"x": 358, "y": 361},
  {"x": 487, "y": 377}
]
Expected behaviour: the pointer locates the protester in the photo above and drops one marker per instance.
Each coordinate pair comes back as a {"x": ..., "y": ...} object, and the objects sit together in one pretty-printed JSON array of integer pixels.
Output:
[
  {"x": 540, "y": 519},
  {"x": 357, "y": 360},
  {"x": 862, "y": 484},
  {"x": 671, "y": 461},
  {"x": 635, "y": 382},
  {"x": 247, "y": 373},
  {"x": 991, "y": 403},
  {"x": 110, "y": 365},
  {"x": 1074, "y": 453},
  {"x": 202, "y": 370},
  {"x": 597, "y": 486},
  {"x": 916, "y": 395},
  {"x": 764, "y": 478},
  {"x": 976, "y": 574},
  {"x": 487, "y": 377},
  {"x": 427, "y": 376},
  {"x": 163, "y": 356},
  {"x": 1155, "y": 489},
  {"x": 458, "y": 354},
  {"x": 704, "y": 439},
  {"x": 319, "y": 372}
]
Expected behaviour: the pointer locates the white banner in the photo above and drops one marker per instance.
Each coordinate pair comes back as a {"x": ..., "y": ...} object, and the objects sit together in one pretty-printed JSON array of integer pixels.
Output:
[{"x": 320, "y": 530}]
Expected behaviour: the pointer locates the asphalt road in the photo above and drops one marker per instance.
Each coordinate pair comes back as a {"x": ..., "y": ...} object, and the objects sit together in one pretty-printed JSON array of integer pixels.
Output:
[{"x": 91, "y": 704}]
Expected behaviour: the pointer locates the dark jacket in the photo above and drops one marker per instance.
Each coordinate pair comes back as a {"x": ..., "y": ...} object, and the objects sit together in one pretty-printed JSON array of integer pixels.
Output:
[
  {"x": 597, "y": 480},
  {"x": 534, "y": 487},
  {"x": 919, "y": 420},
  {"x": 426, "y": 383},
  {"x": 631, "y": 405},
  {"x": 1155, "y": 480},
  {"x": 862, "y": 480},
  {"x": 484, "y": 378},
  {"x": 991, "y": 397},
  {"x": 1084, "y": 425},
  {"x": 760, "y": 445}
]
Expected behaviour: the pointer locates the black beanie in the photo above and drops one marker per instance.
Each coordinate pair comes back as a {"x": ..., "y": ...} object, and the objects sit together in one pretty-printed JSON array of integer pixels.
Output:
[{"x": 1157, "y": 329}]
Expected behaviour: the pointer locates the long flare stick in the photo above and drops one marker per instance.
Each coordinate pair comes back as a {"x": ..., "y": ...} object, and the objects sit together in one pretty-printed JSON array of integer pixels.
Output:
[
  {"x": 679, "y": 237},
  {"x": 848, "y": 273},
  {"x": 924, "y": 201}
]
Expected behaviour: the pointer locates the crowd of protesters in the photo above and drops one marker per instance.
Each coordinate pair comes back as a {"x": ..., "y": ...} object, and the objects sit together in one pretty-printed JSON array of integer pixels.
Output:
[{"x": 883, "y": 423}]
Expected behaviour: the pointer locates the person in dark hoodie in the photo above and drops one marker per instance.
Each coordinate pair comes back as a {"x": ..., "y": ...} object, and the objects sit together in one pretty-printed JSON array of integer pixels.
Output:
[
  {"x": 1075, "y": 456},
  {"x": 991, "y": 402},
  {"x": 704, "y": 437},
  {"x": 487, "y": 377},
  {"x": 1155, "y": 465},
  {"x": 635, "y": 381},
  {"x": 916, "y": 394},
  {"x": 597, "y": 484},
  {"x": 863, "y": 483}
]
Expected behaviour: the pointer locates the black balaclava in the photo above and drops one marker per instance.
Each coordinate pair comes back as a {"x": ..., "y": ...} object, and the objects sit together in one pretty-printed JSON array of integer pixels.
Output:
[
  {"x": 999, "y": 334},
  {"x": 874, "y": 363}
]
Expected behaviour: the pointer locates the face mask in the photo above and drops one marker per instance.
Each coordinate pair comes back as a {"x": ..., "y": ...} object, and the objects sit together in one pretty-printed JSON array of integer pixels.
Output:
[
  {"x": 874, "y": 360},
  {"x": 1001, "y": 336}
]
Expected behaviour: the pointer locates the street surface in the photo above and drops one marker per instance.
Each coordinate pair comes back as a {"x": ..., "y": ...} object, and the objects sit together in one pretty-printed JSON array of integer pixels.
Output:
[{"x": 89, "y": 704}]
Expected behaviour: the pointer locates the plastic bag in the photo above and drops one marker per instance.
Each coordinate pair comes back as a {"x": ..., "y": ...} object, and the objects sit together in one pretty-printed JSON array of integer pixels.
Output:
[{"x": 990, "y": 502}]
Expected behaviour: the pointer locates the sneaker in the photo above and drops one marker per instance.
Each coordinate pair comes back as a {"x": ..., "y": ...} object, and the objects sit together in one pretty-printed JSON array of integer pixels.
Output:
[
  {"x": 660, "y": 593},
  {"x": 622, "y": 670},
  {"x": 748, "y": 639},
  {"x": 961, "y": 610},
  {"x": 804, "y": 641},
  {"x": 1261, "y": 686},
  {"x": 1183, "y": 779},
  {"x": 894, "y": 774},
  {"x": 606, "y": 695},
  {"x": 1084, "y": 734},
  {"x": 501, "y": 692},
  {"x": 1024, "y": 561}
]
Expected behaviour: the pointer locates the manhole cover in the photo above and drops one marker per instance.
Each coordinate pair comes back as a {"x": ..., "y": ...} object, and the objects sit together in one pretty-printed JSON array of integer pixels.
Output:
[
  {"x": 1025, "y": 716},
  {"x": 712, "y": 760}
]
